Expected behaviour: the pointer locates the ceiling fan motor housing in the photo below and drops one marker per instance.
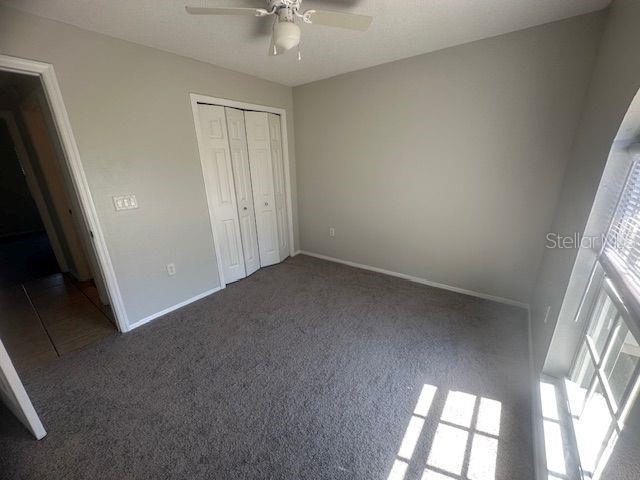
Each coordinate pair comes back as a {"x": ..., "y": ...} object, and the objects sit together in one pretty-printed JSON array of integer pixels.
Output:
[
  {"x": 286, "y": 34},
  {"x": 285, "y": 14}
]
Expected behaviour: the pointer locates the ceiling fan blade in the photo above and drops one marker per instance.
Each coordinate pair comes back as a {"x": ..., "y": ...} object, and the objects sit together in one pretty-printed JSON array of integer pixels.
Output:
[
  {"x": 330, "y": 18},
  {"x": 261, "y": 28},
  {"x": 251, "y": 12}
]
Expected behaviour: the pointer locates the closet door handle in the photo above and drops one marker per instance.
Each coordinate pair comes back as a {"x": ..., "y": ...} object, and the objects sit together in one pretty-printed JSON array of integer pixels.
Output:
[
  {"x": 266, "y": 204},
  {"x": 244, "y": 208}
]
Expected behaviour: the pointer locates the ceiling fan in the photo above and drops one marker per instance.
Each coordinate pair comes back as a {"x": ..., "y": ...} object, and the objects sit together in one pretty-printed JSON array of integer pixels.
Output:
[{"x": 285, "y": 33}]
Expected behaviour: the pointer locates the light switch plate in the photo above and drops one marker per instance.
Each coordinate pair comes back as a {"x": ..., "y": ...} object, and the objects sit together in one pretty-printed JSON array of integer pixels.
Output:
[{"x": 125, "y": 202}]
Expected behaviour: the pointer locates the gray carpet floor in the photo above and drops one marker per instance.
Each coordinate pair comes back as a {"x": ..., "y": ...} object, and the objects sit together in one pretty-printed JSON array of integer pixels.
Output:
[{"x": 305, "y": 370}]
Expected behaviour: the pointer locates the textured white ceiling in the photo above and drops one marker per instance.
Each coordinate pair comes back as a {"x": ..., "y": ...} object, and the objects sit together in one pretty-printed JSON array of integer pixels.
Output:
[{"x": 400, "y": 29}]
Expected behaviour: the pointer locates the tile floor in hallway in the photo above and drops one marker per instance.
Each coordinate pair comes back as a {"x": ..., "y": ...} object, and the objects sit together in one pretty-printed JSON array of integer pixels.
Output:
[{"x": 46, "y": 318}]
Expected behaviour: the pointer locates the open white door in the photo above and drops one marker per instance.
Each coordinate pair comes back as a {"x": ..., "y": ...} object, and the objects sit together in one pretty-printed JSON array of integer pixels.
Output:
[{"x": 15, "y": 396}]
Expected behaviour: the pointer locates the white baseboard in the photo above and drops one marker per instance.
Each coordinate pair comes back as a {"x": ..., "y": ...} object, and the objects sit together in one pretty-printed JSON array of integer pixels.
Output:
[
  {"x": 422, "y": 281},
  {"x": 297, "y": 252},
  {"x": 172, "y": 308}
]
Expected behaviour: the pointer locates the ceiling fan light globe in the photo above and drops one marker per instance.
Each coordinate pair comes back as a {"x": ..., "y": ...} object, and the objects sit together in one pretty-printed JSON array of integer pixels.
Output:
[{"x": 286, "y": 35}]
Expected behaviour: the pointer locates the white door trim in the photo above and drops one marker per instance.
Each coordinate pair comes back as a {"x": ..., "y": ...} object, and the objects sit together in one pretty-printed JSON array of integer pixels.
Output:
[
  {"x": 224, "y": 102},
  {"x": 73, "y": 162}
]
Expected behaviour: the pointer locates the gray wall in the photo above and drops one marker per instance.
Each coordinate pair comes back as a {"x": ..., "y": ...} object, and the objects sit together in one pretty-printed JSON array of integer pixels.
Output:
[
  {"x": 614, "y": 83},
  {"x": 131, "y": 115},
  {"x": 446, "y": 166}
]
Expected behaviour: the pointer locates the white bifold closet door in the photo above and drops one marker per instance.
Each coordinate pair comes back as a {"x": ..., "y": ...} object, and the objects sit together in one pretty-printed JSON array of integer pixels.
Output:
[
  {"x": 244, "y": 193},
  {"x": 263, "y": 181},
  {"x": 279, "y": 185},
  {"x": 242, "y": 162},
  {"x": 215, "y": 155}
]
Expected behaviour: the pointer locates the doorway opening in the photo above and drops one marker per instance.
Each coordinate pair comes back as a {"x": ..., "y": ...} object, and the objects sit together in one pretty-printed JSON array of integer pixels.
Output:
[{"x": 52, "y": 292}]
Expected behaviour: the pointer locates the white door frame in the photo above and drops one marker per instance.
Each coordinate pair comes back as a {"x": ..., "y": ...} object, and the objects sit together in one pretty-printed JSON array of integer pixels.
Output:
[
  {"x": 224, "y": 102},
  {"x": 74, "y": 164}
]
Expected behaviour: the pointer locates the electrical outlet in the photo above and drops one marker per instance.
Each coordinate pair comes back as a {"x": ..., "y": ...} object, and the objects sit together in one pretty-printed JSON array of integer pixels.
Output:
[
  {"x": 171, "y": 268},
  {"x": 332, "y": 232}
]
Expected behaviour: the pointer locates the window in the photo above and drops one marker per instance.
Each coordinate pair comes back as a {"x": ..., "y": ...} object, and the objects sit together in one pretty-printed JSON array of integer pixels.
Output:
[
  {"x": 622, "y": 245},
  {"x": 605, "y": 380},
  {"x": 605, "y": 377}
]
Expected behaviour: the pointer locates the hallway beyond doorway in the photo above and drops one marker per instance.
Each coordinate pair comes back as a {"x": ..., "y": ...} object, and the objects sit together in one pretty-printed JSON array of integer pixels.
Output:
[
  {"x": 49, "y": 317},
  {"x": 26, "y": 257}
]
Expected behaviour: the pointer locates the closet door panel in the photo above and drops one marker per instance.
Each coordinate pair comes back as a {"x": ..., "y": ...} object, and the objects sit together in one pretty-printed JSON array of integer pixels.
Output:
[
  {"x": 244, "y": 194},
  {"x": 261, "y": 166},
  {"x": 215, "y": 156},
  {"x": 267, "y": 225},
  {"x": 280, "y": 192}
]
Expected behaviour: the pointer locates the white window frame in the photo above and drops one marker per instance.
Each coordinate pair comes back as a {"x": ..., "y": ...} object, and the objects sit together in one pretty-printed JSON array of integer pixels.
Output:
[
  {"x": 618, "y": 412},
  {"x": 609, "y": 277}
]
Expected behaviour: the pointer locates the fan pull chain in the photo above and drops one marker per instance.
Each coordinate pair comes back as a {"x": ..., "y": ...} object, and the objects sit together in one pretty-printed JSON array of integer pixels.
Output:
[{"x": 299, "y": 54}]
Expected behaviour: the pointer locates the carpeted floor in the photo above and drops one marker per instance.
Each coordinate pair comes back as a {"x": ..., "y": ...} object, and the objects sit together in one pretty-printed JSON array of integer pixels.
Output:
[{"x": 305, "y": 370}]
